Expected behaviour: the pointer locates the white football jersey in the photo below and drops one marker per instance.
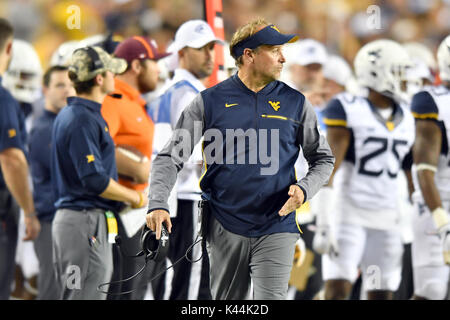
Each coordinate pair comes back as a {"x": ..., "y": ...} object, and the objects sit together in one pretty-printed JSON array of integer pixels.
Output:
[
  {"x": 433, "y": 103},
  {"x": 369, "y": 186}
]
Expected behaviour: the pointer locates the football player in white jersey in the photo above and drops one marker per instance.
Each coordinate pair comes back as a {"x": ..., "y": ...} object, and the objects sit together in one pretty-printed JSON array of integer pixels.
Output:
[
  {"x": 370, "y": 139},
  {"x": 422, "y": 73},
  {"x": 431, "y": 172}
]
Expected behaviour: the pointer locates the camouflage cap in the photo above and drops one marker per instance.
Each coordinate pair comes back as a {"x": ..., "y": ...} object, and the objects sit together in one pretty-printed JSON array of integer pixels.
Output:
[{"x": 87, "y": 62}]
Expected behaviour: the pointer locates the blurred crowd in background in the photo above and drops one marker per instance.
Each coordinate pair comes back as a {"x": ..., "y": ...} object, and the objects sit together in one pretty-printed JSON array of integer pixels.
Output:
[{"x": 342, "y": 25}]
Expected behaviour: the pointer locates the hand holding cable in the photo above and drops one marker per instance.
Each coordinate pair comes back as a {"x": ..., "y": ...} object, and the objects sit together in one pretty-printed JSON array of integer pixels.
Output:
[{"x": 155, "y": 219}]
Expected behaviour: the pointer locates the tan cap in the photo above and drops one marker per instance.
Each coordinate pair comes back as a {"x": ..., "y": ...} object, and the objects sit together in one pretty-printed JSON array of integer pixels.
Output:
[{"x": 87, "y": 62}]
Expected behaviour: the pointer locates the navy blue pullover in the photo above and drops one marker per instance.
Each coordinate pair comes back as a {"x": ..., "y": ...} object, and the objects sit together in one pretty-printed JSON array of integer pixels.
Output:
[{"x": 251, "y": 142}]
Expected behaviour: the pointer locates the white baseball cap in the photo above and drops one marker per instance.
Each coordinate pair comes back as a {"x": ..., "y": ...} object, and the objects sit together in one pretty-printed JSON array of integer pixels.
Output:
[
  {"x": 337, "y": 69},
  {"x": 171, "y": 62},
  {"x": 194, "y": 34},
  {"x": 306, "y": 51}
]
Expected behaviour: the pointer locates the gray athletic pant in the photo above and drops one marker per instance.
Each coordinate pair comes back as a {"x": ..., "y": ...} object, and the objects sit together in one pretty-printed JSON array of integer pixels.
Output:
[
  {"x": 48, "y": 287},
  {"x": 9, "y": 228},
  {"x": 81, "y": 253},
  {"x": 236, "y": 260}
]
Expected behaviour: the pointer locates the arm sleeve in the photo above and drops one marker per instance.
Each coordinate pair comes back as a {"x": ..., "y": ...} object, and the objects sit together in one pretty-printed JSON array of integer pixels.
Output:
[
  {"x": 85, "y": 153},
  {"x": 180, "y": 100},
  {"x": 166, "y": 165},
  {"x": 334, "y": 114},
  {"x": 10, "y": 130},
  {"x": 96, "y": 183},
  {"x": 423, "y": 106},
  {"x": 317, "y": 153}
]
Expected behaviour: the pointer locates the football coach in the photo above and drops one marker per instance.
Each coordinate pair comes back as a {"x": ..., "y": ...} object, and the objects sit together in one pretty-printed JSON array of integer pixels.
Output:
[{"x": 253, "y": 127}]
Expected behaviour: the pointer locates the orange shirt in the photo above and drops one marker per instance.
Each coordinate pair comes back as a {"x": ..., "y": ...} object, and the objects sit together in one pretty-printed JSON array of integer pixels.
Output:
[{"x": 129, "y": 123}]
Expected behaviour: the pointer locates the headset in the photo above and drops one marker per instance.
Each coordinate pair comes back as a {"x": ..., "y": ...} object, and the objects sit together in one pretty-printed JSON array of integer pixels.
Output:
[
  {"x": 96, "y": 62},
  {"x": 153, "y": 249}
]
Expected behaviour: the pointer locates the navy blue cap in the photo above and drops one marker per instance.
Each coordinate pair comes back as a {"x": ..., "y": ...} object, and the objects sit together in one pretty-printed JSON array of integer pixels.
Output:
[{"x": 269, "y": 35}]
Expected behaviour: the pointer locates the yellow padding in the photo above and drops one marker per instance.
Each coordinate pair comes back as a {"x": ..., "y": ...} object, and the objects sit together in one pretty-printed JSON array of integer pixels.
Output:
[
  {"x": 425, "y": 115},
  {"x": 335, "y": 122}
]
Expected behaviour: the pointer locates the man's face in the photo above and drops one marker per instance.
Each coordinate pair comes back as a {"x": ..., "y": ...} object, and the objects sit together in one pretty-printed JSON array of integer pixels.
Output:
[
  {"x": 148, "y": 77},
  {"x": 8, "y": 45},
  {"x": 307, "y": 77},
  {"x": 59, "y": 88},
  {"x": 108, "y": 83},
  {"x": 331, "y": 88},
  {"x": 200, "y": 62},
  {"x": 268, "y": 61}
]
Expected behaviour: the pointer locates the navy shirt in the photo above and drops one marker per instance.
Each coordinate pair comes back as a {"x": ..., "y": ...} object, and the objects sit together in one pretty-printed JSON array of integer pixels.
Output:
[
  {"x": 83, "y": 157},
  {"x": 12, "y": 125},
  {"x": 39, "y": 156},
  {"x": 251, "y": 142},
  {"x": 251, "y": 208}
]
